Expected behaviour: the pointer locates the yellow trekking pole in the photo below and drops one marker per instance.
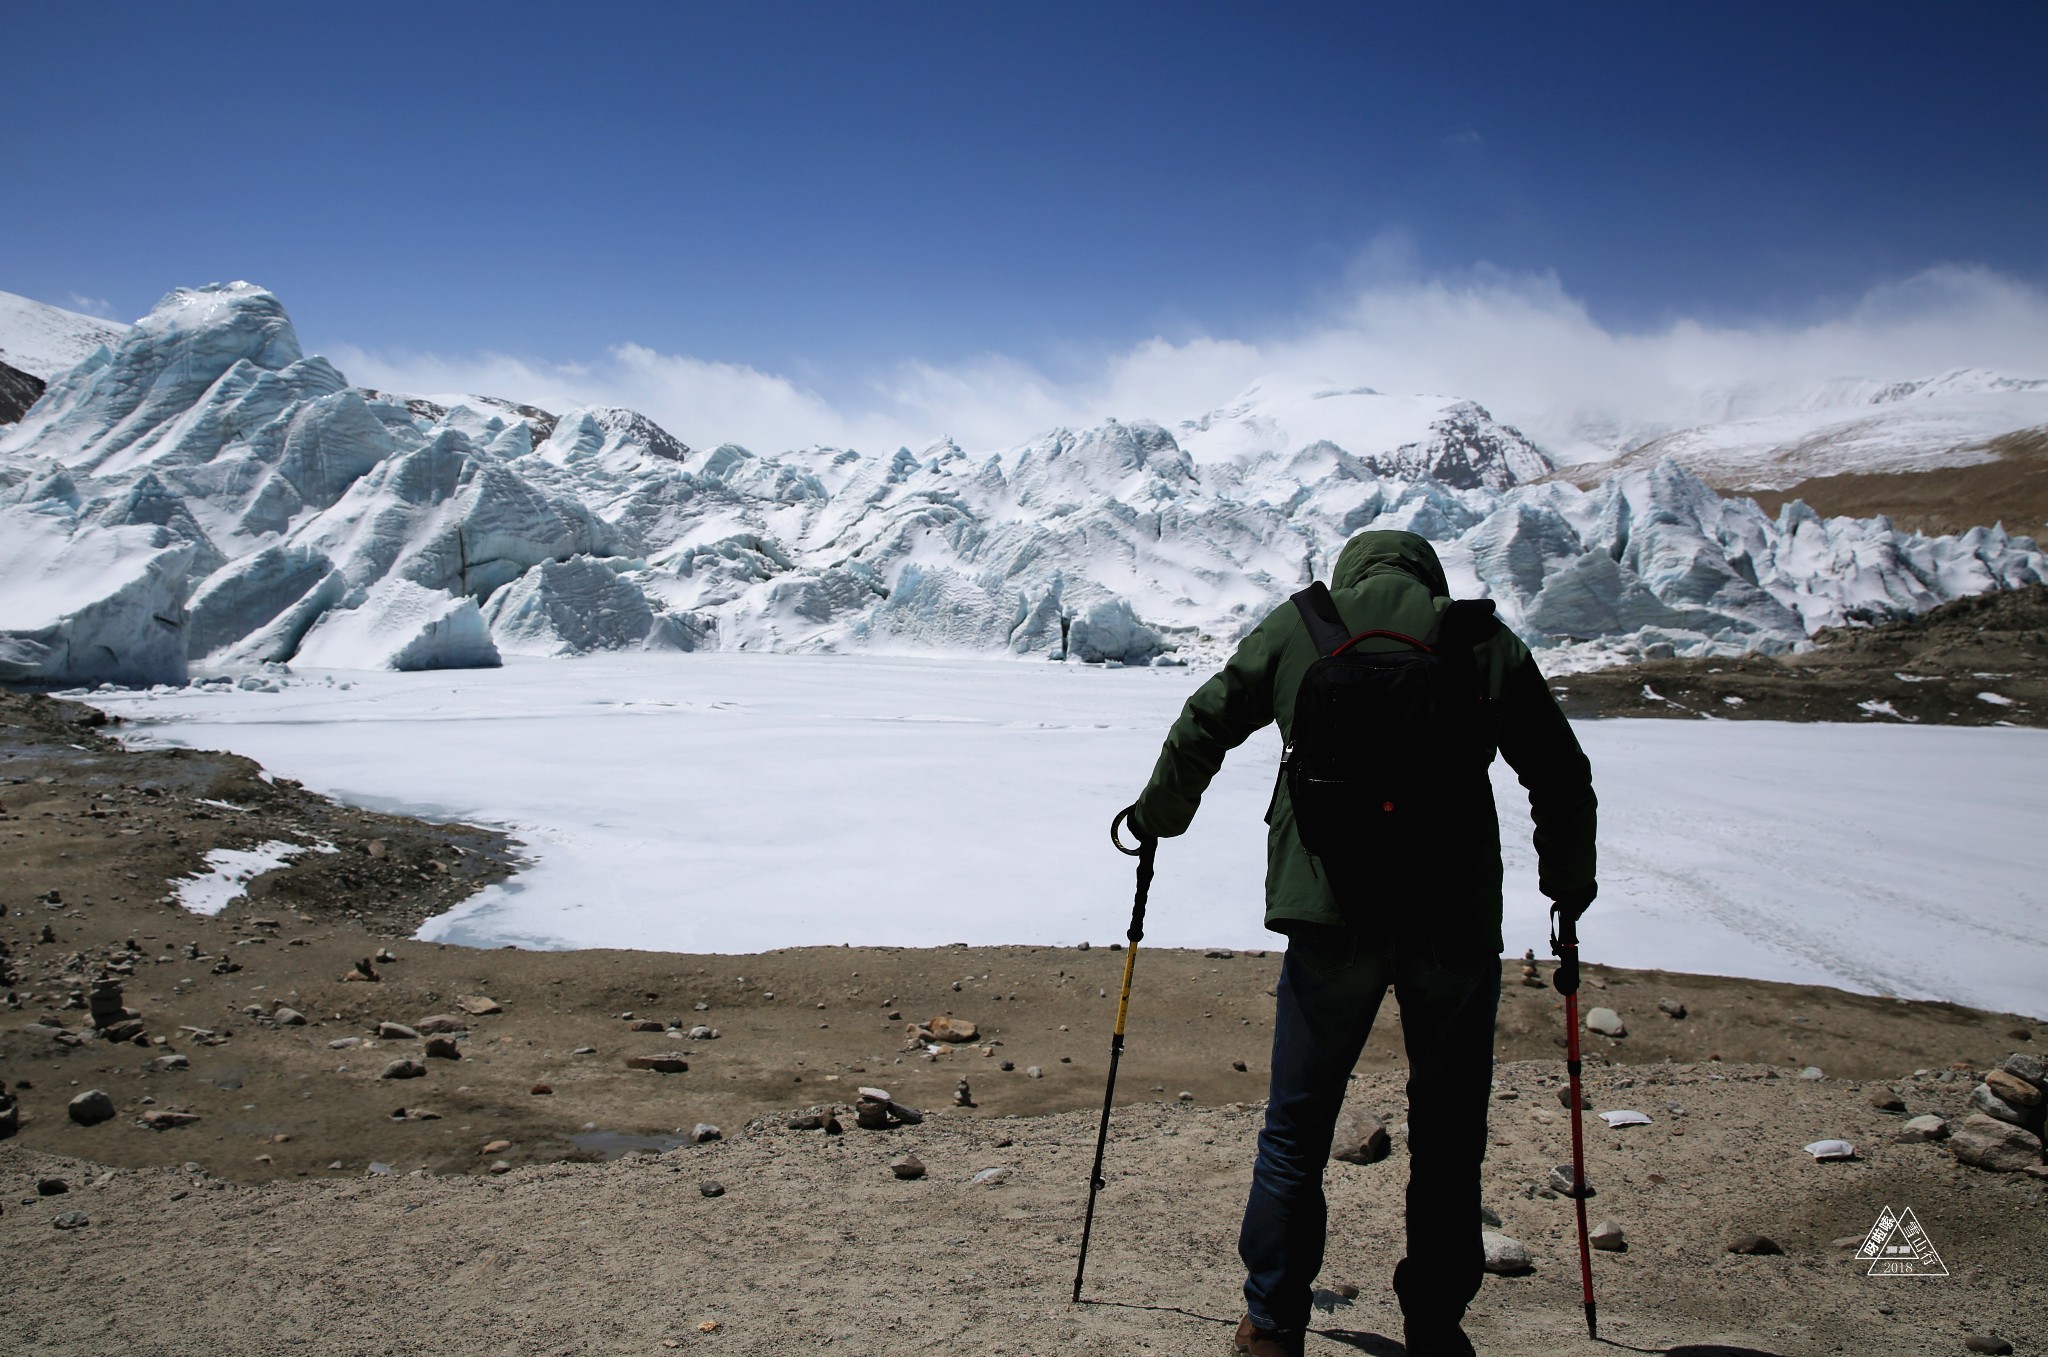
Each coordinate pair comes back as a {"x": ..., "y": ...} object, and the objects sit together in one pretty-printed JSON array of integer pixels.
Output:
[{"x": 1143, "y": 853}]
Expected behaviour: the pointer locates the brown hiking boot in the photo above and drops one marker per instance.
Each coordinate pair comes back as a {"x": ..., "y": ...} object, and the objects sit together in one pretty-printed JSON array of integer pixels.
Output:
[
  {"x": 1441, "y": 1339},
  {"x": 1253, "y": 1341}
]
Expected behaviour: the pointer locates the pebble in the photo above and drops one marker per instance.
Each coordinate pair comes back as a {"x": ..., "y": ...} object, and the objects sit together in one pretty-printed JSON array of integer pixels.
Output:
[
  {"x": 1184, "y": 1096},
  {"x": 1831, "y": 1149},
  {"x": 396, "y": 1031},
  {"x": 344, "y": 1043},
  {"x": 541, "y": 1090},
  {"x": 1561, "y": 1180},
  {"x": 584, "y": 1050},
  {"x": 91, "y": 1107},
  {"x": 1608, "y": 1237},
  {"x": 1239, "y": 1066},
  {"x": 702, "y": 1033},
  {"x": 1671, "y": 1008},
  {"x": 171, "y": 1062},
  {"x": 164, "y": 1120},
  {"x": 1564, "y": 1098},
  {"x": 646, "y": 1025},
  {"x": 493, "y": 1147},
  {"x": 992, "y": 1177},
  {"x": 479, "y": 1005},
  {"x": 1754, "y": 1244},
  {"x": 404, "y": 1069},
  {"x": 443, "y": 1048},
  {"x": 1606, "y": 1022},
  {"x": 71, "y": 1220},
  {"x": 907, "y": 1166},
  {"x": 1033, "y": 1072},
  {"x": 711, "y": 1187},
  {"x": 1505, "y": 1256},
  {"x": 1884, "y": 1100},
  {"x": 500, "y": 1166},
  {"x": 1812, "y": 1073},
  {"x": 703, "y": 1133},
  {"x": 288, "y": 1017}
]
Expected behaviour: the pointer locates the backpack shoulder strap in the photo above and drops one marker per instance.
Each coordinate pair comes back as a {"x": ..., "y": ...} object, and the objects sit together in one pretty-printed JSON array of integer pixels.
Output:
[{"x": 1319, "y": 614}]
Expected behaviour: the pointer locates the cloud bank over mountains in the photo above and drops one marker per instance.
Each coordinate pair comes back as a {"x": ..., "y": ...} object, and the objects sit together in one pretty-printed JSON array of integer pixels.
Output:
[{"x": 1519, "y": 344}]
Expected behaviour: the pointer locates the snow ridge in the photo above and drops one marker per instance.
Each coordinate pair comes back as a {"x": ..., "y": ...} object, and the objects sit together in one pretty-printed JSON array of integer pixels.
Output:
[{"x": 203, "y": 491}]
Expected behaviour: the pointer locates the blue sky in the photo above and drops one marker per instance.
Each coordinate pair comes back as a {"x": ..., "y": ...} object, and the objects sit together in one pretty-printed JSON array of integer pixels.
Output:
[{"x": 837, "y": 194}]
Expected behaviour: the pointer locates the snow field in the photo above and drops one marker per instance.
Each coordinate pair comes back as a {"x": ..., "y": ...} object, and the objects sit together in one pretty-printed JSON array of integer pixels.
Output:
[{"x": 735, "y": 802}]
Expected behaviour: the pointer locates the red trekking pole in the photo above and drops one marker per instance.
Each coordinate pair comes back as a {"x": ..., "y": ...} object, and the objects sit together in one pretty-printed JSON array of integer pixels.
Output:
[{"x": 1564, "y": 945}]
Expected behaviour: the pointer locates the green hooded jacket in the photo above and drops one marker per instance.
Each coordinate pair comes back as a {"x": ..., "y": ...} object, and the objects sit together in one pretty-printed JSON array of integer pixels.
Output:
[{"x": 1387, "y": 581}]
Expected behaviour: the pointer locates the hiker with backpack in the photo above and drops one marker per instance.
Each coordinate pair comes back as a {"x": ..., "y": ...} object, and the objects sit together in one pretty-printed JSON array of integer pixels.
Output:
[{"x": 1383, "y": 869}]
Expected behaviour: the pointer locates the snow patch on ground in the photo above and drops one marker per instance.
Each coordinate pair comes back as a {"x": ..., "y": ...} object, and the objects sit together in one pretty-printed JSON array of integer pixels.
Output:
[{"x": 232, "y": 869}]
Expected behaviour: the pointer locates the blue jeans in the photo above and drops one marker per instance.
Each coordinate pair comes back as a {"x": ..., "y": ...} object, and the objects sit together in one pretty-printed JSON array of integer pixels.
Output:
[{"x": 1331, "y": 984}]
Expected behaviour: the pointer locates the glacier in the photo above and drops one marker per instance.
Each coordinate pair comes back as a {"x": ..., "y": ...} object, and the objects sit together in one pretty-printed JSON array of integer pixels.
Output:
[{"x": 198, "y": 491}]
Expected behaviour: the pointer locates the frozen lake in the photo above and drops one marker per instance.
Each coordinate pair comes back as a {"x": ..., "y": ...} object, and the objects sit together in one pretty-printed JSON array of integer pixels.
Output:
[{"x": 734, "y": 802}]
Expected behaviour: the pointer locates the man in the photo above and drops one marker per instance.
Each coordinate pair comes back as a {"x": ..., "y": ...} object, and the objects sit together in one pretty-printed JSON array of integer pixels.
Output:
[{"x": 1424, "y": 919}]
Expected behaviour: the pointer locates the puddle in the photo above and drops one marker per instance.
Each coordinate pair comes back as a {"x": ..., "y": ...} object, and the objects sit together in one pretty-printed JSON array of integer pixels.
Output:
[{"x": 619, "y": 1144}]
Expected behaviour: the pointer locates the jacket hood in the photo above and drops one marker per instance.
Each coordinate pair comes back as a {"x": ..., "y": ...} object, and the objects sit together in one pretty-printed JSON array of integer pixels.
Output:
[{"x": 1389, "y": 553}]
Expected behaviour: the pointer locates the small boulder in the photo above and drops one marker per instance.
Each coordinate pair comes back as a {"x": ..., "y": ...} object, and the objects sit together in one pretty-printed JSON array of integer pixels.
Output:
[
  {"x": 51, "y": 1187},
  {"x": 1884, "y": 1100},
  {"x": 287, "y": 1017},
  {"x": 1984, "y": 1342},
  {"x": 443, "y": 1048},
  {"x": 164, "y": 1119},
  {"x": 1608, "y": 1237},
  {"x": 495, "y": 1147},
  {"x": 396, "y": 1031},
  {"x": 170, "y": 1062},
  {"x": 1926, "y": 1127},
  {"x": 1989, "y": 1103},
  {"x": 1564, "y": 1098},
  {"x": 1813, "y": 1074},
  {"x": 646, "y": 1025},
  {"x": 703, "y": 1133},
  {"x": 541, "y": 1090},
  {"x": 71, "y": 1220},
  {"x": 440, "y": 1025},
  {"x": 1606, "y": 1022},
  {"x": 956, "y": 1031},
  {"x": 660, "y": 1064},
  {"x": 1987, "y": 1143},
  {"x": 711, "y": 1188},
  {"x": 1360, "y": 1138},
  {"x": 2012, "y": 1089},
  {"x": 404, "y": 1069},
  {"x": 91, "y": 1107},
  {"x": 1671, "y": 1008},
  {"x": 907, "y": 1166},
  {"x": 1505, "y": 1257},
  {"x": 479, "y": 1005}
]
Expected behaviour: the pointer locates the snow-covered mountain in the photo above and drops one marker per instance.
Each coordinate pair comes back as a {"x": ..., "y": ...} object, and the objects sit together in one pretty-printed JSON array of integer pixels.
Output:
[
  {"x": 44, "y": 340},
  {"x": 204, "y": 492}
]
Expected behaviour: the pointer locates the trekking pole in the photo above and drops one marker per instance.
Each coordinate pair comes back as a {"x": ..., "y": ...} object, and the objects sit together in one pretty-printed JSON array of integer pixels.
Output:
[
  {"x": 1564, "y": 944},
  {"x": 1143, "y": 853}
]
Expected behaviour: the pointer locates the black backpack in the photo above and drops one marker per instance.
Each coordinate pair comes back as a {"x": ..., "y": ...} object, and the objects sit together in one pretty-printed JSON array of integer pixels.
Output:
[{"x": 1388, "y": 750}]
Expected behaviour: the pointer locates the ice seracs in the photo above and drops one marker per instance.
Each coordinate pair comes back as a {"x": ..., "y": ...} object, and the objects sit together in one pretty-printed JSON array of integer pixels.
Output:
[{"x": 203, "y": 491}]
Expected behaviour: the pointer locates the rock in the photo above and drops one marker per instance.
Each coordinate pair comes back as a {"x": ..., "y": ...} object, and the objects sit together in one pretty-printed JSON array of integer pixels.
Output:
[
  {"x": 51, "y": 1187},
  {"x": 344, "y": 1043},
  {"x": 1672, "y": 1008},
  {"x": 1608, "y": 1237},
  {"x": 1561, "y": 1181},
  {"x": 396, "y": 1031},
  {"x": 1240, "y": 1066},
  {"x": 170, "y": 1062},
  {"x": 440, "y": 1025},
  {"x": 963, "y": 1096},
  {"x": 71, "y": 1220},
  {"x": 1812, "y": 1073},
  {"x": 1884, "y": 1100},
  {"x": 584, "y": 1050},
  {"x": 660, "y": 1064},
  {"x": 479, "y": 1005},
  {"x": 495, "y": 1147},
  {"x": 711, "y": 1187},
  {"x": 287, "y": 1017},
  {"x": 443, "y": 1048},
  {"x": 907, "y": 1166},
  {"x": 1606, "y": 1022},
  {"x": 1504, "y": 1256},
  {"x": 500, "y": 1166},
  {"x": 646, "y": 1025},
  {"x": 404, "y": 1069},
  {"x": 810, "y": 1121},
  {"x": 2028, "y": 1067},
  {"x": 1978, "y": 1342},
  {"x": 1624, "y": 1116},
  {"x": 1926, "y": 1127},
  {"x": 956, "y": 1031},
  {"x": 1360, "y": 1138},
  {"x": 1987, "y": 1143},
  {"x": 994, "y": 1177},
  {"x": 165, "y": 1119},
  {"x": 1754, "y": 1244},
  {"x": 1033, "y": 1072},
  {"x": 541, "y": 1090},
  {"x": 702, "y": 1033},
  {"x": 1564, "y": 1098},
  {"x": 1831, "y": 1149},
  {"x": 363, "y": 971},
  {"x": 1489, "y": 1217},
  {"x": 2012, "y": 1089},
  {"x": 91, "y": 1107},
  {"x": 127, "y": 1029},
  {"x": 1984, "y": 1100},
  {"x": 703, "y": 1133}
]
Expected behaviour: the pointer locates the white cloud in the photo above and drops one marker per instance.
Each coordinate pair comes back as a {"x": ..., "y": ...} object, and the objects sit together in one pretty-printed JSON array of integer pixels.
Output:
[
  {"x": 1517, "y": 343},
  {"x": 91, "y": 306}
]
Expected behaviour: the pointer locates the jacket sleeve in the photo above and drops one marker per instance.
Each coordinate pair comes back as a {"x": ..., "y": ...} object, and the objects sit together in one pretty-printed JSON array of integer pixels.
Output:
[
  {"x": 1223, "y": 714},
  {"x": 1538, "y": 744}
]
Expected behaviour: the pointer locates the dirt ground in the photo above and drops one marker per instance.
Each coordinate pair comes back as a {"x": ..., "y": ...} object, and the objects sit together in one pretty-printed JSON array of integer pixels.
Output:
[
  {"x": 315, "y": 1205},
  {"x": 1979, "y": 661}
]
